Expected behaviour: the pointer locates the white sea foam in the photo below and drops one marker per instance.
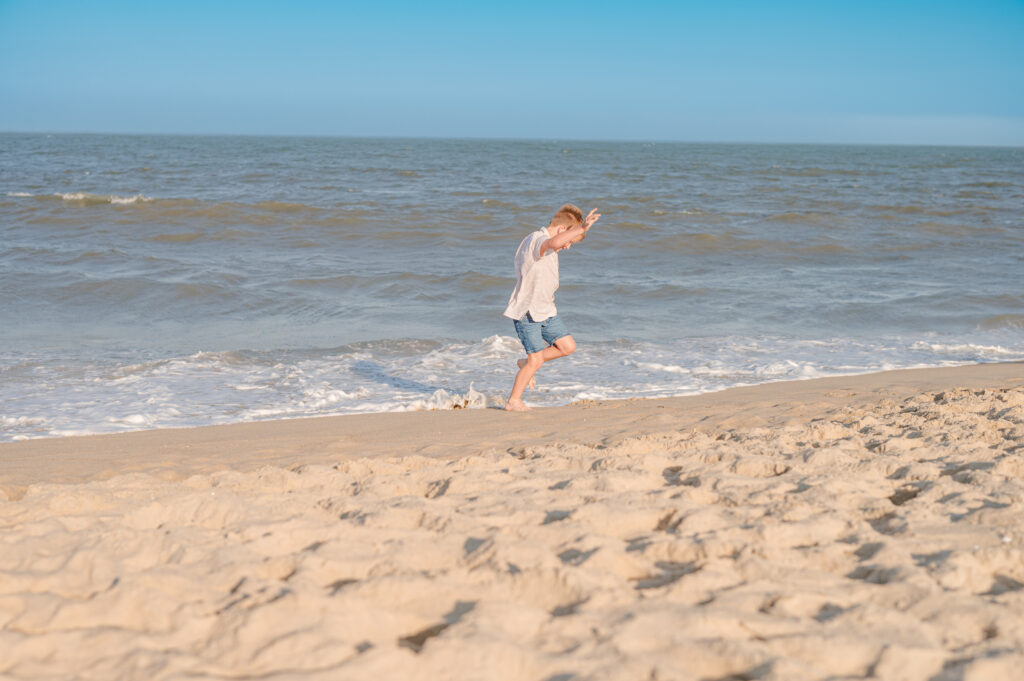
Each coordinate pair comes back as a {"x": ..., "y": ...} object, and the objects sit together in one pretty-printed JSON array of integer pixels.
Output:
[
  {"x": 324, "y": 397},
  {"x": 72, "y": 432},
  {"x": 20, "y": 421},
  {"x": 231, "y": 386},
  {"x": 971, "y": 350},
  {"x": 133, "y": 420},
  {"x": 654, "y": 366},
  {"x": 129, "y": 199},
  {"x": 75, "y": 196},
  {"x": 15, "y": 428},
  {"x": 114, "y": 199},
  {"x": 443, "y": 400}
]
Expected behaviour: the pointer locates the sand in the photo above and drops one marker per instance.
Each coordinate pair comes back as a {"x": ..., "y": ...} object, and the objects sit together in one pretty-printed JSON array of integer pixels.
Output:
[{"x": 845, "y": 528}]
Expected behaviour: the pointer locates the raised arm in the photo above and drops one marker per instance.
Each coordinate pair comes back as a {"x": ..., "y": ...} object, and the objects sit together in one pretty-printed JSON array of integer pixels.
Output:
[{"x": 571, "y": 235}]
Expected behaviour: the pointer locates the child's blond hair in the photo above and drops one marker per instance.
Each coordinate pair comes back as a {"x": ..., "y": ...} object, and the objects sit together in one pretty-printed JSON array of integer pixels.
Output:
[{"x": 568, "y": 216}]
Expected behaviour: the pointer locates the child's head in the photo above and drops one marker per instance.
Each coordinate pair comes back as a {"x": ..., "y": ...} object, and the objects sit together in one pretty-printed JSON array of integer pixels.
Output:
[{"x": 567, "y": 217}]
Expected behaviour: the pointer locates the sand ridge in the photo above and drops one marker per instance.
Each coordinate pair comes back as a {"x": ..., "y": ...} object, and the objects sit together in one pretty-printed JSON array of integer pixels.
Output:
[{"x": 878, "y": 540}]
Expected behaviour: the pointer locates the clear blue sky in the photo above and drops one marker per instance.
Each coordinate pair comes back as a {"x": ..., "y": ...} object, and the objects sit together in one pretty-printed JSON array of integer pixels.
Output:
[{"x": 729, "y": 70}]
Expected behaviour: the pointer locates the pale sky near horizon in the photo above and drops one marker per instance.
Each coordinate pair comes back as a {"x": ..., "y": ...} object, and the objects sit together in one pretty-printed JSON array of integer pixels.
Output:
[{"x": 903, "y": 72}]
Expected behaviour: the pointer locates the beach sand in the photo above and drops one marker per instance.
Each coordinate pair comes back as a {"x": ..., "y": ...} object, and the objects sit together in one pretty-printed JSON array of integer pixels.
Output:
[{"x": 840, "y": 528}]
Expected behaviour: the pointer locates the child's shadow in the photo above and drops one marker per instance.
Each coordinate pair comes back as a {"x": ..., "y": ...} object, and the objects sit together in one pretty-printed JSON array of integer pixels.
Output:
[{"x": 375, "y": 372}]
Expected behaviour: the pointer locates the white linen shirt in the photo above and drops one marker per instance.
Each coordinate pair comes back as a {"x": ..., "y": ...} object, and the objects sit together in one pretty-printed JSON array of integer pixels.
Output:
[{"x": 536, "y": 280}]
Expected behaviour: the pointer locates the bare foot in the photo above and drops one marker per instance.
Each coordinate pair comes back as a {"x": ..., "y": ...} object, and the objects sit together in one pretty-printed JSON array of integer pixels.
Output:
[
  {"x": 533, "y": 379},
  {"x": 516, "y": 405}
]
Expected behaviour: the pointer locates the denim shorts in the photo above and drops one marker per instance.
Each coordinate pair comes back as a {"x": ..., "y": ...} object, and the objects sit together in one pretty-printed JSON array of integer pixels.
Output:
[{"x": 538, "y": 335}]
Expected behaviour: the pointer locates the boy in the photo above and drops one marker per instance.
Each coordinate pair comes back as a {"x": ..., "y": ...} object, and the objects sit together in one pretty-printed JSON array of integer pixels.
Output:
[{"x": 532, "y": 304}]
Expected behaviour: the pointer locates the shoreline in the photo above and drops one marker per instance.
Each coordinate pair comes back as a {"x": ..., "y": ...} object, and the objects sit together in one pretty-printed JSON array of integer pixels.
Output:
[{"x": 176, "y": 453}]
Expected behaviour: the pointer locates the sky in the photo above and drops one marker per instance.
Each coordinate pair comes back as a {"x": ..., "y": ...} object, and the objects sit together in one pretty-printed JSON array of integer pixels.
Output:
[{"x": 824, "y": 71}]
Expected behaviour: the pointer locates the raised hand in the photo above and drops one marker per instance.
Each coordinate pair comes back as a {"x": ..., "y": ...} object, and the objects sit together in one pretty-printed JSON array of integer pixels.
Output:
[{"x": 592, "y": 217}]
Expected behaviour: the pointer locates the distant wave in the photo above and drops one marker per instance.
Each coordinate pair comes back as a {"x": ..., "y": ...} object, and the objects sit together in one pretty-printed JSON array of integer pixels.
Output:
[
  {"x": 818, "y": 172},
  {"x": 803, "y": 218},
  {"x": 186, "y": 210},
  {"x": 85, "y": 197},
  {"x": 703, "y": 243},
  {"x": 911, "y": 209},
  {"x": 1004, "y": 321},
  {"x": 90, "y": 199}
]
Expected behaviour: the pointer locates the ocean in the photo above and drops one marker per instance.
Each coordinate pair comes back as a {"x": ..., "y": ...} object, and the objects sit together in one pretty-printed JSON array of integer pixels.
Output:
[{"x": 175, "y": 281}]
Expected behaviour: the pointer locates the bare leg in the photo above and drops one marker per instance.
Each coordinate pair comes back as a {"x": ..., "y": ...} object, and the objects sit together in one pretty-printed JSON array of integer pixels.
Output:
[
  {"x": 528, "y": 367},
  {"x": 523, "y": 378},
  {"x": 533, "y": 380},
  {"x": 563, "y": 347}
]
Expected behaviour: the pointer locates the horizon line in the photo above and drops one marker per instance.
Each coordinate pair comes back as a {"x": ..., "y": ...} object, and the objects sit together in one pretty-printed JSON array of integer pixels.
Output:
[{"x": 509, "y": 139}]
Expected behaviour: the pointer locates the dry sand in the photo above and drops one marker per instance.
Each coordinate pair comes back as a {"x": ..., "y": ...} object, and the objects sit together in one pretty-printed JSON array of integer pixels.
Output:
[{"x": 848, "y": 528}]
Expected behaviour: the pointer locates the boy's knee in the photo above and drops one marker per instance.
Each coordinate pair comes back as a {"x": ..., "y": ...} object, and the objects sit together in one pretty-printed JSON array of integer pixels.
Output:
[
  {"x": 535, "y": 359},
  {"x": 567, "y": 345}
]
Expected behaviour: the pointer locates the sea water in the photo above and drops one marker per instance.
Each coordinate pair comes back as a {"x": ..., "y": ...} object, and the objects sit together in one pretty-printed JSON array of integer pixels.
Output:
[{"x": 166, "y": 281}]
